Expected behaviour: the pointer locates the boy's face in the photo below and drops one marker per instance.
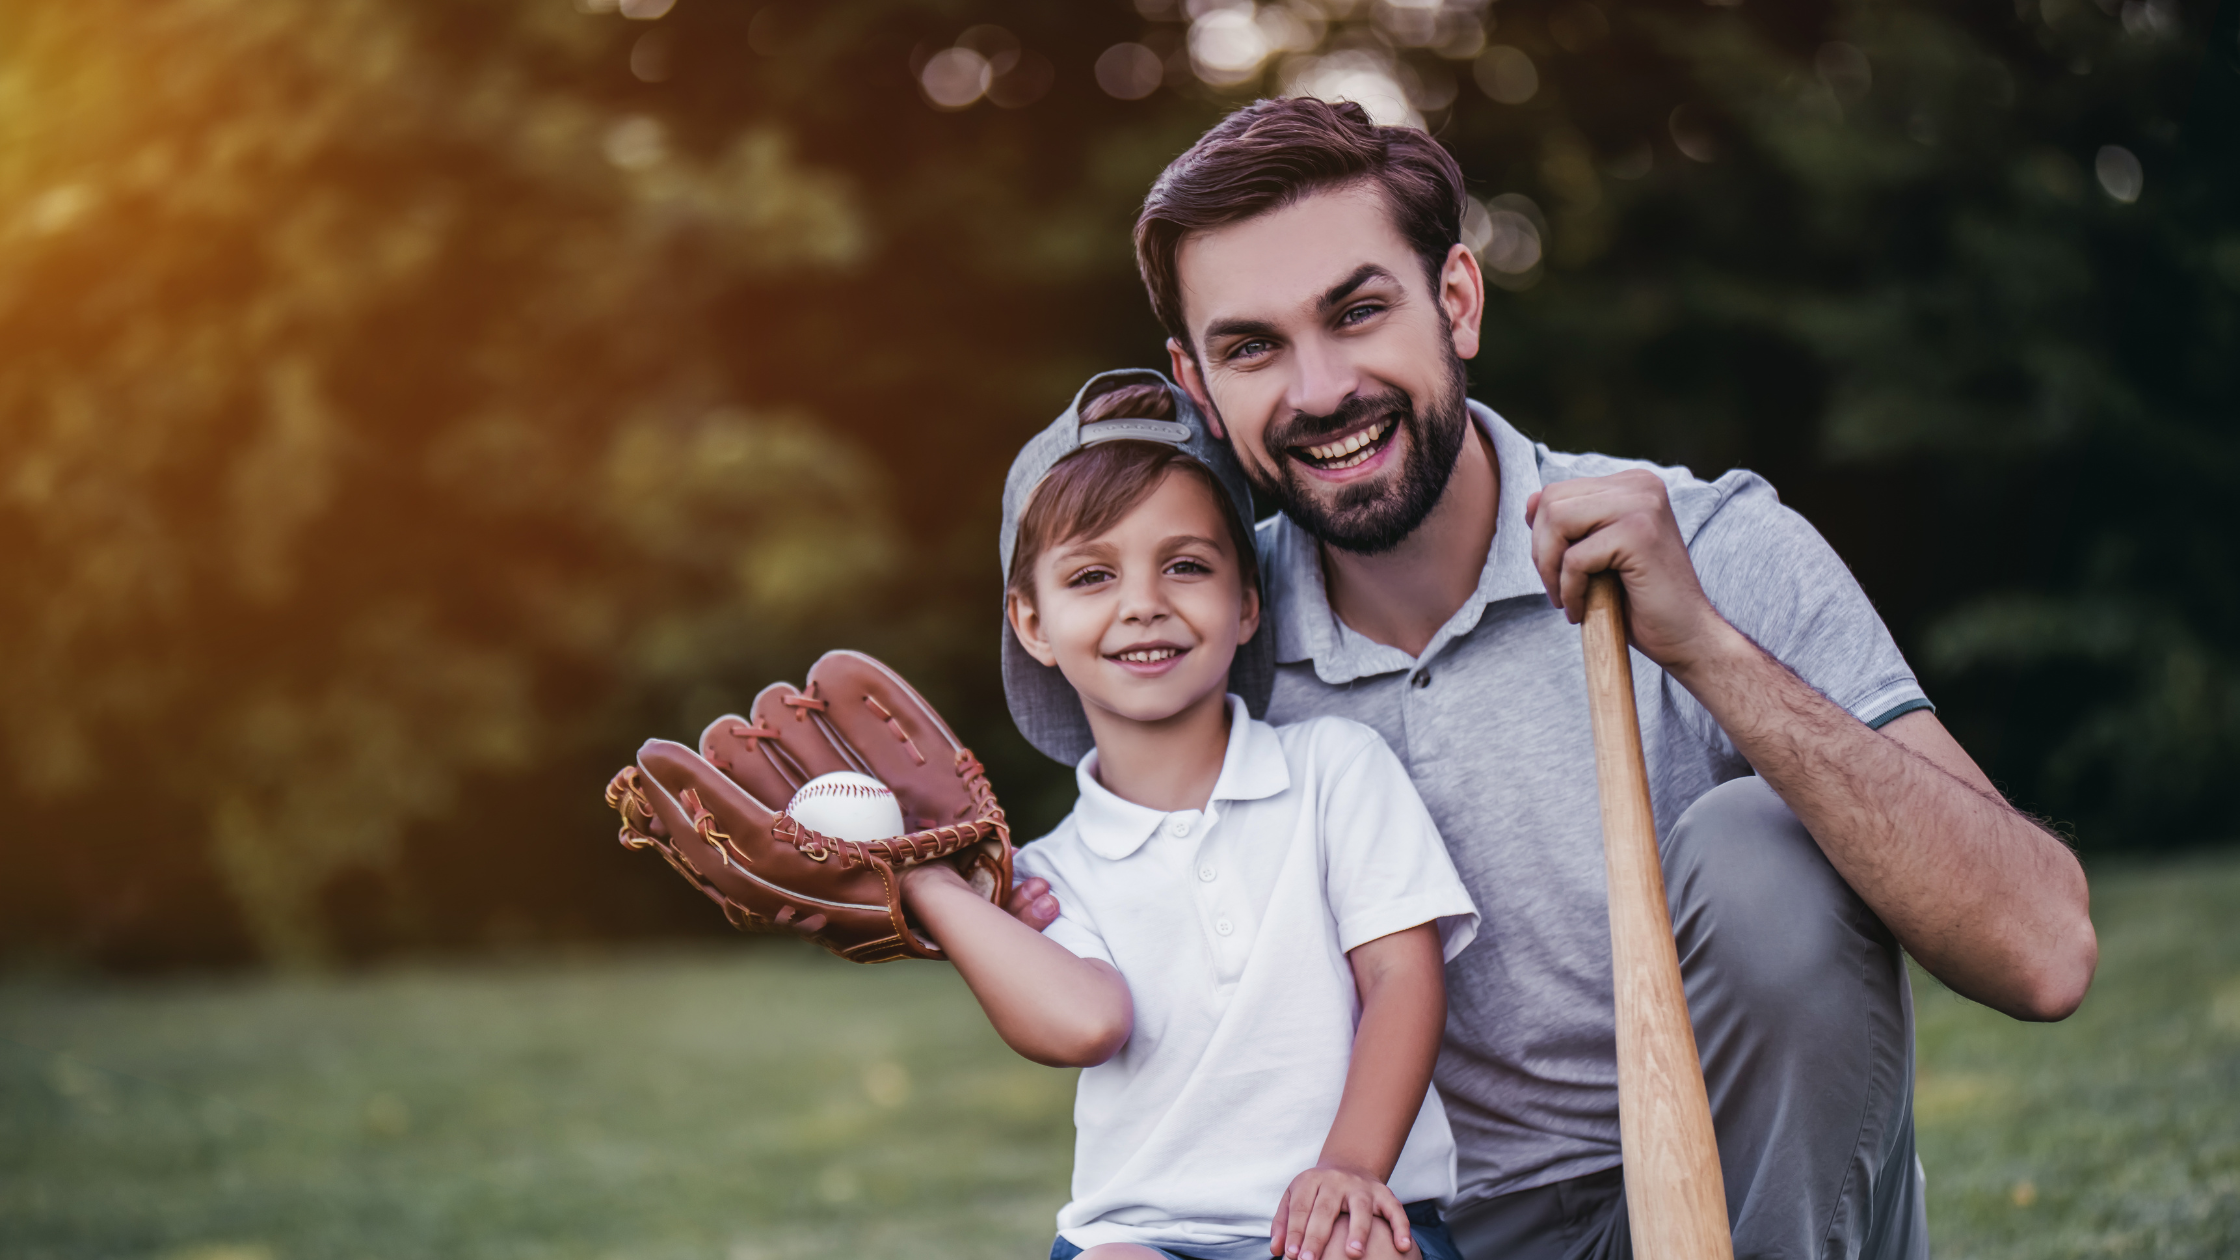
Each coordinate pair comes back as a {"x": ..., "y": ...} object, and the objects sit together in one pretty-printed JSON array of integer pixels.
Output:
[
  {"x": 1144, "y": 619},
  {"x": 1331, "y": 362}
]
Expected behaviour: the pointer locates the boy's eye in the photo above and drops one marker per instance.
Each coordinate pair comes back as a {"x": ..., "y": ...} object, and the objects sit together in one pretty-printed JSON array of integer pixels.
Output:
[
  {"x": 1089, "y": 577},
  {"x": 1187, "y": 565}
]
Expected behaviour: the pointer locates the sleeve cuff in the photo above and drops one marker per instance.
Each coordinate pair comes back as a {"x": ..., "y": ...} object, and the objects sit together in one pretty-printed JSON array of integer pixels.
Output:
[{"x": 1456, "y": 917}]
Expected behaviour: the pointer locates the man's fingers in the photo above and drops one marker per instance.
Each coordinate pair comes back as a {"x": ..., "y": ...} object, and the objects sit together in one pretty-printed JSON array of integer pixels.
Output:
[{"x": 1568, "y": 512}]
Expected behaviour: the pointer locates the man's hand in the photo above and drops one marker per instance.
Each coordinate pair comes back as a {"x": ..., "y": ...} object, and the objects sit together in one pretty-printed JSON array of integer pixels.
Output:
[
  {"x": 1311, "y": 1206},
  {"x": 1989, "y": 902},
  {"x": 1031, "y": 903},
  {"x": 1624, "y": 523}
]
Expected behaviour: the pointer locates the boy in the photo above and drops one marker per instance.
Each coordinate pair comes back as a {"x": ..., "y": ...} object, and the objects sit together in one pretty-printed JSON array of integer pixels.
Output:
[{"x": 1248, "y": 962}]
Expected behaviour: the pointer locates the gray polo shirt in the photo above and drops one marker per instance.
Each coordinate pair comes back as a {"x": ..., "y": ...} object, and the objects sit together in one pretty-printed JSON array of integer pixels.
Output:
[{"x": 1491, "y": 722}]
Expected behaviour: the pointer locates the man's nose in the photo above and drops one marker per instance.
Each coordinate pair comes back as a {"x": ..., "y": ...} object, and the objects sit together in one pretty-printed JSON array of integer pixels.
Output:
[{"x": 1324, "y": 377}]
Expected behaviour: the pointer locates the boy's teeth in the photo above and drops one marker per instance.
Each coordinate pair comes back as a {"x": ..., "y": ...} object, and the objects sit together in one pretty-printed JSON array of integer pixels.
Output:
[
  {"x": 1358, "y": 441},
  {"x": 1148, "y": 655}
]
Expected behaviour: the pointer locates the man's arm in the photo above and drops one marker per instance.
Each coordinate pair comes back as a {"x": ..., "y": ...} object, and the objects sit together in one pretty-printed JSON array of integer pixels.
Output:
[
  {"x": 1991, "y": 903},
  {"x": 1047, "y": 1003},
  {"x": 1402, "y": 983}
]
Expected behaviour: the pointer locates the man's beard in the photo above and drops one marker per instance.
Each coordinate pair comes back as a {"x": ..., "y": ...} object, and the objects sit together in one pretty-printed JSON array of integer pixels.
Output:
[{"x": 1371, "y": 517}]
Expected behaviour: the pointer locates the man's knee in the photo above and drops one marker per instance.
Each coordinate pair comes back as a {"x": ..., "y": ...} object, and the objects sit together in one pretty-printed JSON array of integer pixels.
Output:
[{"x": 1752, "y": 894}]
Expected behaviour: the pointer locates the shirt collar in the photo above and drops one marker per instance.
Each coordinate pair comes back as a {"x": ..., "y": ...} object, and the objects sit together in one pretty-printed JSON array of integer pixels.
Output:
[
  {"x": 1308, "y": 630},
  {"x": 1252, "y": 768}
]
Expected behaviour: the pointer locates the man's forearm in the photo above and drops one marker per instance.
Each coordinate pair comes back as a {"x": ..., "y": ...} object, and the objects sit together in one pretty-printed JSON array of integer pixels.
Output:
[{"x": 1989, "y": 902}]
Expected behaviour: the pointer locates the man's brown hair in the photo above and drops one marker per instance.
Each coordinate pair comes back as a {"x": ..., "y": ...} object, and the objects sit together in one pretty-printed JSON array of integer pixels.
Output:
[
  {"x": 1089, "y": 491},
  {"x": 1273, "y": 153}
]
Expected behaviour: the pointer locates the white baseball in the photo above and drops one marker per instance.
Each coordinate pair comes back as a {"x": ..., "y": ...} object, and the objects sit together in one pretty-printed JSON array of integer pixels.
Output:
[{"x": 847, "y": 806}]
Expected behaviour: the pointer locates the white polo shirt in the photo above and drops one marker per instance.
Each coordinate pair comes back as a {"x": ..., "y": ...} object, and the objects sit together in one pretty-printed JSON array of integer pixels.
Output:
[{"x": 1231, "y": 926}]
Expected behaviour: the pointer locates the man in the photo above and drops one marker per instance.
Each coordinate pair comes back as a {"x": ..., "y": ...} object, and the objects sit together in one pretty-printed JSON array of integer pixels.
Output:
[{"x": 1425, "y": 576}]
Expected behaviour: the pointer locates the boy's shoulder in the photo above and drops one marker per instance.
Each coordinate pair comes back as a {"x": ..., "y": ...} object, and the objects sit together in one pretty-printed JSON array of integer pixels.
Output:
[{"x": 1325, "y": 742}]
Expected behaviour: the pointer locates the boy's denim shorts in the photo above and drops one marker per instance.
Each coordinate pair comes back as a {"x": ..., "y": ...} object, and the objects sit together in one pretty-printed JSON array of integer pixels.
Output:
[{"x": 1432, "y": 1242}]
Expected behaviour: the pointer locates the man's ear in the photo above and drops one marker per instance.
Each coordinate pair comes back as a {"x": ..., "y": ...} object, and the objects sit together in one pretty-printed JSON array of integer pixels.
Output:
[
  {"x": 1026, "y": 623},
  {"x": 1193, "y": 382},
  {"x": 1462, "y": 295}
]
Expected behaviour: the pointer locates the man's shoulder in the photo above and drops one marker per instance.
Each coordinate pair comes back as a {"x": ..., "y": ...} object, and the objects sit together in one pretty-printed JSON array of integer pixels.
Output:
[{"x": 1694, "y": 500}]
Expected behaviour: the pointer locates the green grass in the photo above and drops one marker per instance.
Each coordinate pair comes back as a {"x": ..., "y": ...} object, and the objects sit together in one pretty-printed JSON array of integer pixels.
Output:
[{"x": 762, "y": 1103}]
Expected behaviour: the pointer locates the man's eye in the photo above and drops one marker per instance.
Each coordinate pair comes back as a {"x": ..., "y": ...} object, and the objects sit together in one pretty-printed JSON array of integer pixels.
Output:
[
  {"x": 1358, "y": 314},
  {"x": 1250, "y": 349}
]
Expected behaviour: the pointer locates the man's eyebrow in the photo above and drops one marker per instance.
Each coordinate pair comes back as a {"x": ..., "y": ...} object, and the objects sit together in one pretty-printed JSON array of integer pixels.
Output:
[
  {"x": 1238, "y": 328},
  {"x": 1343, "y": 289},
  {"x": 1337, "y": 293}
]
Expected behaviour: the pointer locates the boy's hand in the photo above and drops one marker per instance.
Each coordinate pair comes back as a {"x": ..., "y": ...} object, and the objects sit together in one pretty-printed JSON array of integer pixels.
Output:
[{"x": 1308, "y": 1214}]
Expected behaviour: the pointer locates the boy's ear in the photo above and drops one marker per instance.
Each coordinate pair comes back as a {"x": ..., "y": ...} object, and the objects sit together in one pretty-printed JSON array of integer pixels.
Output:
[
  {"x": 1026, "y": 623},
  {"x": 1193, "y": 382},
  {"x": 1251, "y": 620}
]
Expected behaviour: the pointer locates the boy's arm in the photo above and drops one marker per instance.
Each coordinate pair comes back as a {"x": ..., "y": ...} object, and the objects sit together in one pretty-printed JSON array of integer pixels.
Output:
[
  {"x": 1046, "y": 1002},
  {"x": 1401, "y": 979}
]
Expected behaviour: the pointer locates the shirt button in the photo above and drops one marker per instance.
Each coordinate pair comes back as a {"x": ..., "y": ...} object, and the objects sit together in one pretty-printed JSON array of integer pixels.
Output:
[
  {"x": 1178, "y": 826},
  {"x": 1422, "y": 679},
  {"x": 1205, "y": 873},
  {"x": 1224, "y": 927}
]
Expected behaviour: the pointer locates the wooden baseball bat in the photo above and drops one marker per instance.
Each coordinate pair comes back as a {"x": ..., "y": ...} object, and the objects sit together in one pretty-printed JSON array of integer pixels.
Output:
[{"x": 1674, "y": 1192}]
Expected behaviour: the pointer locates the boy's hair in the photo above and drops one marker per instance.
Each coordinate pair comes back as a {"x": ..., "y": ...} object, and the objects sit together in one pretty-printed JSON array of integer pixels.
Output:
[
  {"x": 1271, "y": 154},
  {"x": 1090, "y": 490}
]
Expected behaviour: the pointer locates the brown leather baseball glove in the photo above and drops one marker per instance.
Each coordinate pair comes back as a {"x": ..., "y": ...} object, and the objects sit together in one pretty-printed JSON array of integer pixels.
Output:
[{"x": 716, "y": 814}]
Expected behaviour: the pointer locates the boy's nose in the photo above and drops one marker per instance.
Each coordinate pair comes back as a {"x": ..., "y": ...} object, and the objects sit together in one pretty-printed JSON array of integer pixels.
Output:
[{"x": 1142, "y": 601}]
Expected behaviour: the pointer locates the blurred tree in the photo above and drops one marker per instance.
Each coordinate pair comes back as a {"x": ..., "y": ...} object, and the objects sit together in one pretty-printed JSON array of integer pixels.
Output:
[{"x": 359, "y": 415}]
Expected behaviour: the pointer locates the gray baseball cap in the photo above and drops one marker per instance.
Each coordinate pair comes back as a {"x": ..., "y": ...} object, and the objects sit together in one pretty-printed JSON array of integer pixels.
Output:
[{"x": 1042, "y": 702}]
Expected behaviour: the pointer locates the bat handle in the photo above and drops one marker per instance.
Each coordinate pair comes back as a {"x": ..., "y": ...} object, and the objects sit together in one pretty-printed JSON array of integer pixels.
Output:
[{"x": 1675, "y": 1195}]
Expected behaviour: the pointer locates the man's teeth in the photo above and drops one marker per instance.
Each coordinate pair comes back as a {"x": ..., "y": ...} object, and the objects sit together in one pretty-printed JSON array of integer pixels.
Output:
[
  {"x": 1336, "y": 451},
  {"x": 1151, "y": 656}
]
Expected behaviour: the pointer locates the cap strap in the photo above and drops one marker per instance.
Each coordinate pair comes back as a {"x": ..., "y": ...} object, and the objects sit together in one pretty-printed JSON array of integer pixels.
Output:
[{"x": 1173, "y": 431}]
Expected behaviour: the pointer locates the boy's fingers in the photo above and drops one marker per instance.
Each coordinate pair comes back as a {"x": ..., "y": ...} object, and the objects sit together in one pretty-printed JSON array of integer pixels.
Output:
[
  {"x": 1295, "y": 1224},
  {"x": 1390, "y": 1207},
  {"x": 1359, "y": 1216},
  {"x": 1320, "y": 1223},
  {"x": 1275, "y": 1230}
]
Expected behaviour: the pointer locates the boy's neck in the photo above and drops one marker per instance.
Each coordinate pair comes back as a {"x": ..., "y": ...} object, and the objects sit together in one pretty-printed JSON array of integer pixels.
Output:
[{"x": 1168, "y": 765}]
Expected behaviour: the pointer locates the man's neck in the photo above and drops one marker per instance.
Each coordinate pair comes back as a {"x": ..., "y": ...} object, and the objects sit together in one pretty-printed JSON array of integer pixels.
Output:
[{"x": 1402, "y": 597}]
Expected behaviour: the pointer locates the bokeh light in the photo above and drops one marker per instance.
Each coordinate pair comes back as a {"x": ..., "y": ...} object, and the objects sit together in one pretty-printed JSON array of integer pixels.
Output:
[
  {"x": 2119, "y": 172},
  {"x": 1507, "y": 74},
  {"x": 1129, "y": 71},
  {"x": 955, "y": 77}
]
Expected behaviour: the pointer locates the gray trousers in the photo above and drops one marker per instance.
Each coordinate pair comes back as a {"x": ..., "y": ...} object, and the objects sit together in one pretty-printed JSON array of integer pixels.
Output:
[{"x": 1805, "y": 1023}]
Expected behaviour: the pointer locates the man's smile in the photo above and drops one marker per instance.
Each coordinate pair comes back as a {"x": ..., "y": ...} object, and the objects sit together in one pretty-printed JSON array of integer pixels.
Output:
[{"x": 1350, "y": 451}]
